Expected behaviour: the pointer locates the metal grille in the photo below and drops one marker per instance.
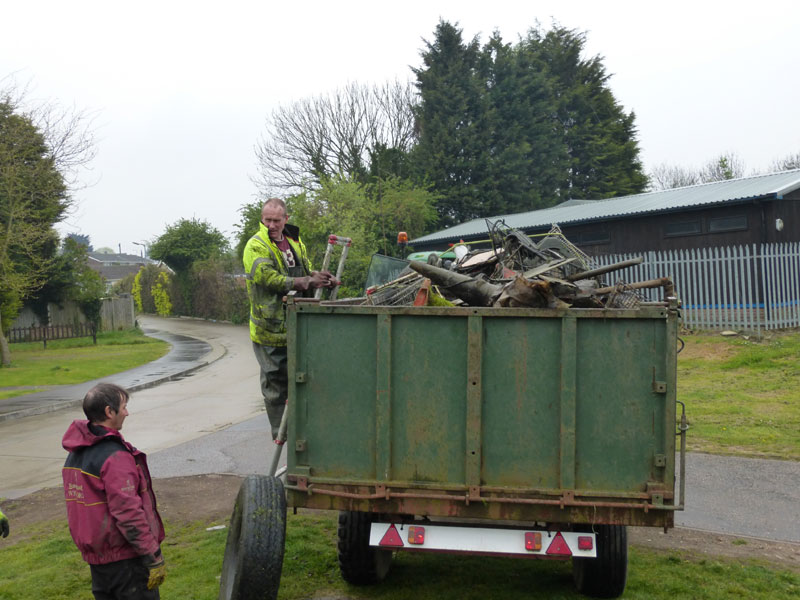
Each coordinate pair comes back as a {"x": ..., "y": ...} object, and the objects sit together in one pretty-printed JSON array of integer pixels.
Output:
[
  {"x": 734, "y": 287},
  {"x": 398, "y": 294}
]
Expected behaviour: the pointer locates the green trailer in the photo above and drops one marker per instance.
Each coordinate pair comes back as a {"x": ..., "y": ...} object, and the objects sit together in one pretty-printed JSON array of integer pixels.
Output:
[{"x": 523, "y": 432}]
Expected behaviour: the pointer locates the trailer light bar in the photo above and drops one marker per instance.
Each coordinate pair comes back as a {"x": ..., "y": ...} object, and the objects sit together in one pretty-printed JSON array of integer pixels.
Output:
[
  {"x": 482, "y": 540},
  {"x": 391, "y": 538},
  {"x": 558, "y": 546},
  {"x": 533, "y": 541},
  {"x": 416, "y": 535}
]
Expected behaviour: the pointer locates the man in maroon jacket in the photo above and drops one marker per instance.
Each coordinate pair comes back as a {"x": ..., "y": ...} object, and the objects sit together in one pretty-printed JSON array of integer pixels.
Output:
[{"x": 111, "y": 507}]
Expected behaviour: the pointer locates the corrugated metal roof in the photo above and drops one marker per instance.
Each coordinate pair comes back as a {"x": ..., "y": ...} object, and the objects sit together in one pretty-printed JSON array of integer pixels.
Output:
[{"x": 774, "y": 185}]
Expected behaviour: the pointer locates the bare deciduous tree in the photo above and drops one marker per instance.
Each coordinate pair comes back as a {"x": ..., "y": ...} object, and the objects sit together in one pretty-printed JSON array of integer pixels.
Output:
[
  {"x": 792, "y": 161},
  {"x": 725, "y": 166},
  {"x": 667, "y": 177},
  {"x": 68, "y": 132},
  {"x": 333, "y": 135}
]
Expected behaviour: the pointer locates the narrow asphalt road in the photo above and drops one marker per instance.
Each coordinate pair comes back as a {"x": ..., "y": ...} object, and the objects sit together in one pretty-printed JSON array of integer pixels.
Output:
[{"x": 211, "y": 420}]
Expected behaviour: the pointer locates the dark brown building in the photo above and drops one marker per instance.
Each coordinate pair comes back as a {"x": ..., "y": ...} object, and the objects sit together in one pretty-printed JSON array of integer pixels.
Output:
[{"x": 751, "y": 210}]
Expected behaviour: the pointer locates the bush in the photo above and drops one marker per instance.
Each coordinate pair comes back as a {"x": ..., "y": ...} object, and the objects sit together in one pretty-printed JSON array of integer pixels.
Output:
[
  {"x": 160, "y": 291},
  {"x": 142, "y": 288},
  {"x": 218, "y": 292}
]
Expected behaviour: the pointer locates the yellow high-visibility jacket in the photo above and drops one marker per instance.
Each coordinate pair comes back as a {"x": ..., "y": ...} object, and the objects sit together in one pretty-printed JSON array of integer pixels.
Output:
[{"x": 268, "y": 281}]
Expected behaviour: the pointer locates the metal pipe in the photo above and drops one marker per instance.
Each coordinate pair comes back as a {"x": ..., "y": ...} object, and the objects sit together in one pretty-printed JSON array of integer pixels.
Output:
[
  {"x": 606, "y": 269},
  {"x": 279, "y": 441},
  {"x": 682, "y": 429},
  {"x": 665, "y": 282}
]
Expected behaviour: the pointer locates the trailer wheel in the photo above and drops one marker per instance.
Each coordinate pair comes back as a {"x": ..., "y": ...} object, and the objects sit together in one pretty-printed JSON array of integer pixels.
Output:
[
  {"x": 251, "y": 567},
  {"x": 605, "y": 575},
  {"x": 360, "y": 563}
]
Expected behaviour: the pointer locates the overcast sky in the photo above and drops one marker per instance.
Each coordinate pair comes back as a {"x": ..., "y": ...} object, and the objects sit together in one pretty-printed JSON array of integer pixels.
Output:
[{"x": 182, "y": 89}]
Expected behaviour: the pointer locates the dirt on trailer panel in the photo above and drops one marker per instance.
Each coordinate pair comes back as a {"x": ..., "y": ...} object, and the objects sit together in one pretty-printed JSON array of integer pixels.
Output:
[{"x": 177, "y": 502}]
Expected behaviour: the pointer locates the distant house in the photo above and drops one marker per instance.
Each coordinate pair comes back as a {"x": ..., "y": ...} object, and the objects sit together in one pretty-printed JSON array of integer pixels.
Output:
[
  {"x": 751, "y": 210},
  {"x": 115, "y": 267}
]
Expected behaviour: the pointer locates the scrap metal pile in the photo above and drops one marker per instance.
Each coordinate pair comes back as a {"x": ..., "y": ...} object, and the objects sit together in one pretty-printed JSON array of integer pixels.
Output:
[{"x": 515, "y": 272}]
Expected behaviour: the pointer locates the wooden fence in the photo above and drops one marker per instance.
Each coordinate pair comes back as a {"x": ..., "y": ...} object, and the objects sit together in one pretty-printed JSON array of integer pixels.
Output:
[
  {"x": 736, "y": 287},
  {"x": 41, "y": 333}
]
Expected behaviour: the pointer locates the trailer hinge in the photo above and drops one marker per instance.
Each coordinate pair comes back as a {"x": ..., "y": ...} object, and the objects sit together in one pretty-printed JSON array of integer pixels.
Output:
[
  {"x": 300, "y": 446},
  {"x": 660, "y": 460},
  {"x": 659, "y": 387},
  {"x": 300, "y": 377}
]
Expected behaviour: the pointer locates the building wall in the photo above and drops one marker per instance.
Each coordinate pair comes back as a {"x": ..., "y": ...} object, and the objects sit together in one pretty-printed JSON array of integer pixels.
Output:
[{"x": 728, "y": 225}]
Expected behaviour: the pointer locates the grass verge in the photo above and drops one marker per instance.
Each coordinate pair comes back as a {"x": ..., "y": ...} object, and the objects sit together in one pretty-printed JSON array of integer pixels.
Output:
[
  {"x": 77, "y": 360},
  {"x": 742, "y": 395},
  {"x": 46, "y": 564}
]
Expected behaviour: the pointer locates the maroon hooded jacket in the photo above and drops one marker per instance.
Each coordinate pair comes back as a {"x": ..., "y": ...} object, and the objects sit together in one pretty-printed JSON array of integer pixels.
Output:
[{"x": 111, "y": 507}]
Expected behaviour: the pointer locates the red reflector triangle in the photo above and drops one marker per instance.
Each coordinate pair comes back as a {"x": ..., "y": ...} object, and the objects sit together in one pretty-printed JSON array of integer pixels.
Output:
[
  {"x": 391, "y": 537},
  {"x": 559, "y": 546}
]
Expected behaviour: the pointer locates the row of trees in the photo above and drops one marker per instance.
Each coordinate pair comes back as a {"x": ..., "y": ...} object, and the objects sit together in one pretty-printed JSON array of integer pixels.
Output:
[
  {"x": 486, "y": 128},
  {"x": 726, "y": 166},
  {"x": 42, "y": 149}
]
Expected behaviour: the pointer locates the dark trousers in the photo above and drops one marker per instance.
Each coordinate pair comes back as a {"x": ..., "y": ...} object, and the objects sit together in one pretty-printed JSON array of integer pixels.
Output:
[
  {"x": 274, "y": 382},
  {"x": 122, "y": 580}
]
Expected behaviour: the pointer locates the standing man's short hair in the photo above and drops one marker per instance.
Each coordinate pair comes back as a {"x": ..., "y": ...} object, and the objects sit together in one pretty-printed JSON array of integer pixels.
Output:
[
  {"x": 275, "y": 202},
  {"x": 100, "y": 396}
]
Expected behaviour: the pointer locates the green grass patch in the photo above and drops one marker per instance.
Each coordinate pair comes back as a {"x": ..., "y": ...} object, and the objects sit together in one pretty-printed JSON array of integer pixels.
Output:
[
  {"x": 46, "y": 564},
  {"x": 742, "y": 396},
  {"x": 76, "y": 360}
]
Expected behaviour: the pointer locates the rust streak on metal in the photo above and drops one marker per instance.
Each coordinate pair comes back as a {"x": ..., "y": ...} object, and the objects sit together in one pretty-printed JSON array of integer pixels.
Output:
[{"x": 567, "y": 500}]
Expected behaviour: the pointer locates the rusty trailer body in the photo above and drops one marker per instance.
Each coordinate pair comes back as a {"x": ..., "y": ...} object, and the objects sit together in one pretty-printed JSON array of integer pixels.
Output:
[{"x": 511, "y": 415}]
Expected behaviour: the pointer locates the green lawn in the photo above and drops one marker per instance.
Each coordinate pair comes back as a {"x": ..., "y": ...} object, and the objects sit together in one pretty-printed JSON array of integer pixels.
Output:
[
  {"x": 47, "y": 565},
  {"x": 76, "y": 360},
  {"x": 742, "y": 396}
]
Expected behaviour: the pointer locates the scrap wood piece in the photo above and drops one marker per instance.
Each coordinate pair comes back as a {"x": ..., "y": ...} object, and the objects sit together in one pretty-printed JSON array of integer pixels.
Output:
[
  {"x": 423, "y": 294},
  {"x": 523, "y": 292}
]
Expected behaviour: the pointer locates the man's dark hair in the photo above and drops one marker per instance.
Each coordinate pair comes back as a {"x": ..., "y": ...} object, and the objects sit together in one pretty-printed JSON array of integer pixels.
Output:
[{"x": 100, "y": 396}]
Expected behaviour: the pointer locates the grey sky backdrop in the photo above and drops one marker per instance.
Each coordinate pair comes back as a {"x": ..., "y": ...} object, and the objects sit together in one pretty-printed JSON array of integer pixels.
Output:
[{"x": 182, "y": 89}]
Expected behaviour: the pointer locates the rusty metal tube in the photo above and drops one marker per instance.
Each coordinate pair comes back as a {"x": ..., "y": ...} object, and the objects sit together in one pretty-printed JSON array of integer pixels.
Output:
[
  {"x": 665, "y": 282},
  {"x": 607, "y": 269},
  {"x": 682, "y": 429}
]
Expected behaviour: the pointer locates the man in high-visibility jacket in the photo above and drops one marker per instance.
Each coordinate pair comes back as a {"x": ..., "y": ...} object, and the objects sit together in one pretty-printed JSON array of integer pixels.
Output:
[{"x": 275, "y": 262}]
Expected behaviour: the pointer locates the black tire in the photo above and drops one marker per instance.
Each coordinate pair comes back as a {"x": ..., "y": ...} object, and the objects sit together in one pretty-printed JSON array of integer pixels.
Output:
[
  {"x": 604, "y": 576},
  {"x": 251, "y": 568},
  {"x": 360, "y": 563}
]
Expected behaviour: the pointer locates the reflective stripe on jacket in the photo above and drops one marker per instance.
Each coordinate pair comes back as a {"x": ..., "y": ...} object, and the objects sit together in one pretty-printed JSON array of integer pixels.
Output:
[{"x": 268, "y": 281}]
